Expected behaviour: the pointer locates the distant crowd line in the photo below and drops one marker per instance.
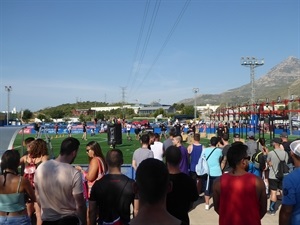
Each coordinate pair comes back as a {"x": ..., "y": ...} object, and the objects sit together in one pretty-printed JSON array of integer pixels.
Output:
[{"x": 240, "y": 177}]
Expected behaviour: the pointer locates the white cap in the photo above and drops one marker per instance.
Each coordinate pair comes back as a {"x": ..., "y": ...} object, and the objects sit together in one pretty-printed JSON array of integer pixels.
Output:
[{"x": 295, "y": 147}]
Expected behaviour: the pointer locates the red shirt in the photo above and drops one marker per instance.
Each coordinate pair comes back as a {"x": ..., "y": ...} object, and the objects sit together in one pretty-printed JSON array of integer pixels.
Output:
[{"x": 239, "y": 204}]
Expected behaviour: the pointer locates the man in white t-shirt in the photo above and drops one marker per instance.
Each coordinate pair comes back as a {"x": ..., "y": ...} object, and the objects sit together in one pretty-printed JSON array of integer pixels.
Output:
[
  {"x": 157, "y": 147},
  {"x": 59, "y": 189}
]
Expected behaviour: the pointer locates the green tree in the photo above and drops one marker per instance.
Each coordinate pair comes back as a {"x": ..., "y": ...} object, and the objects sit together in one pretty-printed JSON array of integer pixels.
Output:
[
  {"x": 100, "y": 115},
  {"x": 188, "y": 110},
  {"x": 27, "y": 115},
  {"x": 57, "y": 113},
  {"x": 42, "y": 117},
  {"x": 159, "y": 111},
  {"x": 178, "y": 107}
]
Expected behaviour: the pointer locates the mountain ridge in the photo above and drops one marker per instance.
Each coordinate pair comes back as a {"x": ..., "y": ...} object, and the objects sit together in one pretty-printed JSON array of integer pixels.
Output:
[{"x": 282, "y": 80}]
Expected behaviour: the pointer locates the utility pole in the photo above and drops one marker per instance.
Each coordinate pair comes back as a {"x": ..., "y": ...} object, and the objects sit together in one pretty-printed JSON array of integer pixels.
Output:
[
  {"x": 291, "y": 99},
  {"x": 8, "y": 89},
  {"x": 123, "y": 100}
]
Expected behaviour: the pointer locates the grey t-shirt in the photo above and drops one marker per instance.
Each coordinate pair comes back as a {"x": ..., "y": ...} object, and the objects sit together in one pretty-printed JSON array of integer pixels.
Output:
[
  {"x": 275, "y": 161},
  {"x": 252, "y": 146},
  {"x": 141, "y": 154}
]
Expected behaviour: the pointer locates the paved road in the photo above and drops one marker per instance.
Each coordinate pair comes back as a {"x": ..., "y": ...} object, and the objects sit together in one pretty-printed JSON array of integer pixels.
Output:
[{"x": 199, "y": 216}]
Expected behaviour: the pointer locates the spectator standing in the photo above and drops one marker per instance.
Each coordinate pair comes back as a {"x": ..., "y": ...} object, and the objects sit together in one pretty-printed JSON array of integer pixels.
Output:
[
  {"x": 163, "y": 129},
  {"x": 169, "y": 142},
  {"x": 225, "y": 165},
  {"x": 113, "y": 194},
  {"x": 157, "y": 148},
  {"x": 128, "y": 129},
  {"x": 69, "y": 129},
  {"x": 142, "y": 153},
  {"x": 56, "y": 130},
  {"x": 13, "y": 190},
  {"x": 215, "y": 155},
  {"x": 236, "y": 137},
  {"x": 286, "y": 145},
  {"x": 273, "y": 162},
  {"x": 251, "y": 143},
  {"x": 194, "y": 151},
  {"x": 178, "y": 128},
  {"x": 290, "y": 209},
  {"x": 84, "y": 131},
  {"x": 59, "y": 188},
  {"x": 96, "y": 170},
  {"x": 184, "y": 162},
  {"x": 184, "y": 191},
  {"x": 37, "y": 153},
  {"x": 152, "y": 185},
  {"x": 239, "y": 197}
]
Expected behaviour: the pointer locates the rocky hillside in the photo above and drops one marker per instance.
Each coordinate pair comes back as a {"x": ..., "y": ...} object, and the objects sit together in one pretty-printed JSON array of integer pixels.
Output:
[{"x": 284, "y": 76}]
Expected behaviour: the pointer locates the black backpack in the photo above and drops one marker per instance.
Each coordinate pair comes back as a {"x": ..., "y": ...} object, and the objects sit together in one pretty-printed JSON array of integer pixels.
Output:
[{"x": 282, "y": 168}]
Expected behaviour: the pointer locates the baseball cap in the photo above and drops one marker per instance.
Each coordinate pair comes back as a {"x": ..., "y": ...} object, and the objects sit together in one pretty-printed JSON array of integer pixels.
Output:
[
  {"x": 236, "y": 136},
  {"x": 250, "y": 134},
  {"x": 284, "y": 134},
  {"x": 295, "y": 147},
  {"x": 277, "y": 140}
]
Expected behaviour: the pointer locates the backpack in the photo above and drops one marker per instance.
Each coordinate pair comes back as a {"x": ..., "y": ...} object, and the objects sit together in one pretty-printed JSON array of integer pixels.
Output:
[
  {"x": 202, "y": 165},
  {"x": 256, "y": 160},
  {"x": 282, "y": 168}
]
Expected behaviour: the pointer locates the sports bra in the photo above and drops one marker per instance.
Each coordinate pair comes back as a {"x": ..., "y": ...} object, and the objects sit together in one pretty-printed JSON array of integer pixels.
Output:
[{"x": 12, "y": 202}]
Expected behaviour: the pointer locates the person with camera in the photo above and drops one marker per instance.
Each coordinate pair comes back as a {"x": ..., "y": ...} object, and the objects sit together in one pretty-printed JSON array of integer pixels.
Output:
[{"x": 273, "y": 160}]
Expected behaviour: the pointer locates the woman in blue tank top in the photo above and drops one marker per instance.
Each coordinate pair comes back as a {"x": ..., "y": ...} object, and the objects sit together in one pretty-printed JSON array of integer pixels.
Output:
[{"x": 13, "y": 188}]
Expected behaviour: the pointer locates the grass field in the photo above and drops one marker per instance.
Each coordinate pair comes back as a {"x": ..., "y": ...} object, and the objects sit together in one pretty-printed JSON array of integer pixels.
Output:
[{"x": 127, "y": 147}]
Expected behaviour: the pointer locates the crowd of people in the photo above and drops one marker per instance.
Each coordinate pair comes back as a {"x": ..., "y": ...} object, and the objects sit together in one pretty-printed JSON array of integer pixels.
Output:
[{"x": 241, "y": 177}]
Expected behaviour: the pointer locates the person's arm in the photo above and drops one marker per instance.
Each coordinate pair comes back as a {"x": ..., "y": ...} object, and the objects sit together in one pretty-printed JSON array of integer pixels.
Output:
[
  {"x": 134, "y": 164},
  {"x": 23, "y": 160},
  {"x": 80, "y": 207},
  {"x": 216, "y": 194},
  {"x": 285, "y": 214},
  {"x": 190, "y": 149},
  {"x": 135, "y": 207},
  {"x": 262, "y": 196},
  {"x": 28, "y": 189},
  {"x": 92, "y": 212},
  {"x": 223, "y": 162}
]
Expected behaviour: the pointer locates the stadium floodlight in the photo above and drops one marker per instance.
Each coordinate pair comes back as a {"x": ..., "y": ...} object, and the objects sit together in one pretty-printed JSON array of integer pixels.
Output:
[
  {"x": 195, "y": 90},
  {"x": 252, "y": 62},
  {"x": 8, "y": 89}
]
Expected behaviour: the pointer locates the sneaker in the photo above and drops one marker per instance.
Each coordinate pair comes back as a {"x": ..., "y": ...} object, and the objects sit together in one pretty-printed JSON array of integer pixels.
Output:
[
  {"x": 272, "y": 212},
  {"x": 206, "y": 207}
]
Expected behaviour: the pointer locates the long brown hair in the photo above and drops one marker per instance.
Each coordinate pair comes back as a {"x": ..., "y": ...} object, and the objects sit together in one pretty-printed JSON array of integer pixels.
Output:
[
  {"x": 95, "y": 146},
  {"x": 38, "y": 148}
]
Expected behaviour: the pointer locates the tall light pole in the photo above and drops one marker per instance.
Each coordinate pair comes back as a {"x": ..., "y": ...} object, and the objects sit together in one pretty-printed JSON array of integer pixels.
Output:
[
  {"x": 290, "y": 112},
  {"x": 8, "y": 89},
  {"x": 252, "y": 62},
  {"x": 195, "y": 90}
]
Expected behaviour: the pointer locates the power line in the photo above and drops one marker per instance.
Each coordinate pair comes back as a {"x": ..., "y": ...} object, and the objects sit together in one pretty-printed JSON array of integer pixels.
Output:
[
  {"x": 148, "y": 35},
  {"x": 165, "y": 42}
]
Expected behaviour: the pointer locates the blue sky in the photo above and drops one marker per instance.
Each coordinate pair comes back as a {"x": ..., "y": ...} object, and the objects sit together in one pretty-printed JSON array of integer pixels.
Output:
[{"x": 63, "y": 51}]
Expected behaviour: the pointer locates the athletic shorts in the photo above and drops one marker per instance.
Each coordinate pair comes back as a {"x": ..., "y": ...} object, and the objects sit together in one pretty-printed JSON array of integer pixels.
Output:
[{"x": 275, "y": 184}]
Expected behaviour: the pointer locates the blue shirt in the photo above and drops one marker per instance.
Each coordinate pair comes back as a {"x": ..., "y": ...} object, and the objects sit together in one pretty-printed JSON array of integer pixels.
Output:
[
  {"x": 213, "y": 161},
  {"x": 291, "y": 194},
  {"x": 195, "y": 155}
]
